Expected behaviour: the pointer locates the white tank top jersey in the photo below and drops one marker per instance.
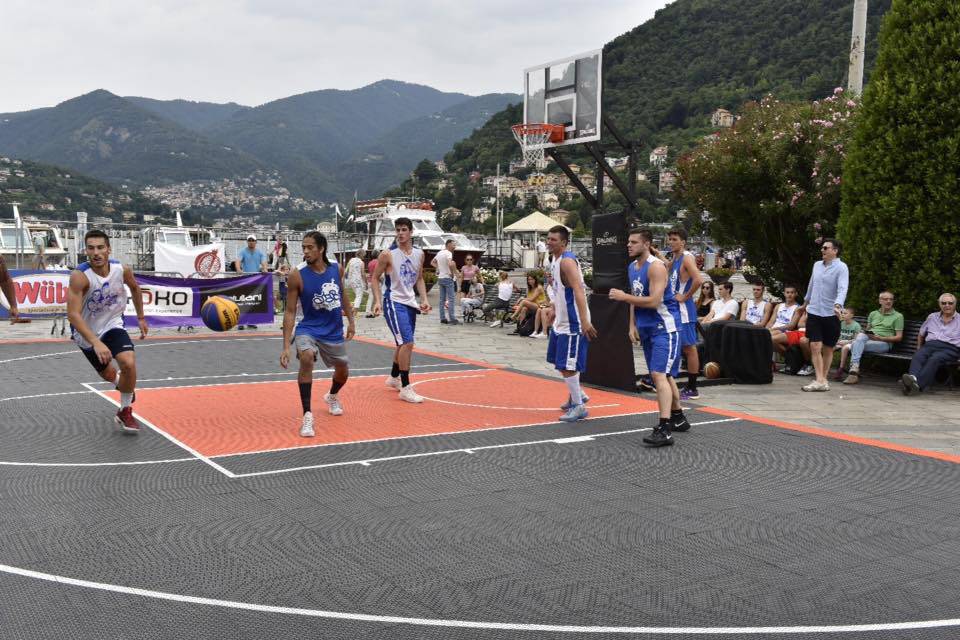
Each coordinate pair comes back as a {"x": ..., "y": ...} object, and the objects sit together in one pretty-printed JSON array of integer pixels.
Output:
[
  {"x": 756, "y": 311},
  {"x": 567, "y": 318},
  {"x": 784, "y": 314},
  {"x": 402, "y": 278},
  {"x": 104, "y": 302}
]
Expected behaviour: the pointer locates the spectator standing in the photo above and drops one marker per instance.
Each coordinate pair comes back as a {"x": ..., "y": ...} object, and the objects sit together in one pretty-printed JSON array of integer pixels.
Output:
[
  {"x": 884, "y": 329},
  {"x": 849, "y": 329},
  {"x": 354, "y": 280},
  {"x": 446, "y": 272},
  {"x": 371, "y": 266},
  {"x": 726, "y": 308},
  {"x": 541, "y": 252},
  {"x": 250, "y": 259},
  {"x": 283, "y": 273},
  {"x": 504, "y": 292},
  {"x": 826, "y": 293},
  {"x": 938, "y": 344},
  {"x": 468, "y": 275},
  {"x": 756, "y": 310}
]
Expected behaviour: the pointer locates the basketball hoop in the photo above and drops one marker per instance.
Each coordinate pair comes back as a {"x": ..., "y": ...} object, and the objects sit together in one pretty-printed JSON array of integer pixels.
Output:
[{"x": 532, "y": 136}]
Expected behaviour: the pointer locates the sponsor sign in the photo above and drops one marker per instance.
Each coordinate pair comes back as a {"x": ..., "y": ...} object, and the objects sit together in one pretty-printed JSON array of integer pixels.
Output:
[
  {"x": 38, "y": 293},
  {"x": 205, "y": 260}
]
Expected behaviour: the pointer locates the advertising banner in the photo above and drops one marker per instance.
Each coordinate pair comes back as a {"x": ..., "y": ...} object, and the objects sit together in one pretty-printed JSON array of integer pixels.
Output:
[
  {"x": 166, "y": 301},
  {"x": 204, "y": 260}
]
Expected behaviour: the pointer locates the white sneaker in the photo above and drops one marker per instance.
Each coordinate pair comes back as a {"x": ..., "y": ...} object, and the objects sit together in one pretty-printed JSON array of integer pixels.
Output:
[
  {"x": 306, "y": 429},
  {"x": 409, "y": 395},
  {"x": 540, "y": 336},
  {"x": 535, "y": 335},
  {"x": 393, "y": 383},
  {"x": 333, "y": 405},
  {"x": 806, "y": 371},
  {"x": 496, "y": 323}
]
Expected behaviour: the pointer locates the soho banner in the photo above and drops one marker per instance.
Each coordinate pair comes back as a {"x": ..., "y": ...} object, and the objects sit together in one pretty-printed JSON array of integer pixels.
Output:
[{"x": 166, "y": 301}]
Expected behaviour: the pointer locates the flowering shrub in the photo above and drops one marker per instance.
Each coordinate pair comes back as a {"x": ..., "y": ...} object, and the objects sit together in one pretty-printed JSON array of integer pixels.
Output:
[
  {"x": 772, "y": 182},
  {"x": 489, "y": 276}
]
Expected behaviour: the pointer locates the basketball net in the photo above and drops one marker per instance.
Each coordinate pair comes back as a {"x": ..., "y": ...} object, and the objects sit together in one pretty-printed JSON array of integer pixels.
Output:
[{"x": 532, "y": 137}]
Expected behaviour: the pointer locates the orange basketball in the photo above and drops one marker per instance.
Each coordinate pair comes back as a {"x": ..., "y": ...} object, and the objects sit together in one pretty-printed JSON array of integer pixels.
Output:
[{"x": 711, "y": 370}]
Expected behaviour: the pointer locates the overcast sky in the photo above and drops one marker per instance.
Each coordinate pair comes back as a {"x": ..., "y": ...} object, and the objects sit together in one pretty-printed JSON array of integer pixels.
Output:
[{"x": 255, "y": 51}]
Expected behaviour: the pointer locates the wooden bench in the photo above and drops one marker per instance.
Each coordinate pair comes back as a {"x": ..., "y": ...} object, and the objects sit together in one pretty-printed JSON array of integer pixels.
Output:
[{"x": 904, "y": 350}]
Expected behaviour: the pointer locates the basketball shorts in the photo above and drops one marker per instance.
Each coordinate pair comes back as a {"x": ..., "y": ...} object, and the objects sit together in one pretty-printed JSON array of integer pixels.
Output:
[
  {"x": 825, "y": 329},
  {"x": 688, "y": 334},
  {"x": 402, "y": 321},
  {"x": 332, "y": 353},
  {"x": 567, "y": 352},
  {"x": 793, "y": 337},
  {"x": 661, "y": 350},
  {"x": 117, "y": 340}
]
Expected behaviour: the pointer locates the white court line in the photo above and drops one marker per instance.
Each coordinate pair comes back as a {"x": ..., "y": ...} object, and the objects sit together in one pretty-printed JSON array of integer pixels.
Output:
[
  {"x": 46, "y": 395},
  {"x": 490, "y": 406},
  {"x": 93, "y": 464},
  {"x": 169, "y": 437},
  {"x": 476, "y": 624}
]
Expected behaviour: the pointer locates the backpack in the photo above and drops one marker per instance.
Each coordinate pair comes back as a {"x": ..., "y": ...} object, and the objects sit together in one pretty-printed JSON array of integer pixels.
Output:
[{"x": 526, "y": 327}]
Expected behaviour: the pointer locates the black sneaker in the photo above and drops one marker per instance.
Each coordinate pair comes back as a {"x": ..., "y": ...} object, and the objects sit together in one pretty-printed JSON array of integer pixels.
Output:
[
  {"x": 909, "y": 384},
  {"x": 646, "y": 383},
  {"x": 444, "y": 322},
  {"x": 679, "y": 423},
  {"x": 659, "y": 438}
]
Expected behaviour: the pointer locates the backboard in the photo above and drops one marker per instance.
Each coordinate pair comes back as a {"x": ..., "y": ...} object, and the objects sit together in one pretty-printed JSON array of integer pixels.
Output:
[{"x": 566, "y": 92}]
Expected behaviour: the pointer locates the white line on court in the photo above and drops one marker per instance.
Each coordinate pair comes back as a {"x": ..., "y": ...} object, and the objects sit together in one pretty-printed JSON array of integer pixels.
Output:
[
  {"x": 476, "y": 624},
  {"x": 93, "y": 464},
  {"x": 46, "y": 395},
  {"x": 490, "y": 406},
  {"x": 169, "y": 437},
  {"x": 140, "y": 345}
]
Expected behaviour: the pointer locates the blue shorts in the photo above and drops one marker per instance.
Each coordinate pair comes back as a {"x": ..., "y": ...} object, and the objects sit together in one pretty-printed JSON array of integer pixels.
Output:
[
  {"x": 661, "y": 350},
  {"x": 688, "y": 334},
  {"x": 117, "y": 340},
  {"x": 402, "y": 321},
  {"x": 567, "y": 352}
]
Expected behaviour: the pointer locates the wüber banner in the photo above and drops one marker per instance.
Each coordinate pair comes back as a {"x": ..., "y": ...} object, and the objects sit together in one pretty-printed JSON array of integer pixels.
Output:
[{"x": 166, "y": 301}]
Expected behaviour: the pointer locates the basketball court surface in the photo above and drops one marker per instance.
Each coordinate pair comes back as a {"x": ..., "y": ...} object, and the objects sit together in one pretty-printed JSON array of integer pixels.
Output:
[{"x": 473, "y": 515}]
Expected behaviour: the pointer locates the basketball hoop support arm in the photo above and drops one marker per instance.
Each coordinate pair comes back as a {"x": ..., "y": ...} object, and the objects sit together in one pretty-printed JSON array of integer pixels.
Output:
[{"x": 554, "y": 152}]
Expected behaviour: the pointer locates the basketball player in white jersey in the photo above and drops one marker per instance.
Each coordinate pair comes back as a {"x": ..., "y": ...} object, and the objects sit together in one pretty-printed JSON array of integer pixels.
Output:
[
  {"x": 96, "y": 300},
  {"x": 756, "y": 310},
  {"x": 572, "y": 330},
  {"x": 402, "y": 269}
]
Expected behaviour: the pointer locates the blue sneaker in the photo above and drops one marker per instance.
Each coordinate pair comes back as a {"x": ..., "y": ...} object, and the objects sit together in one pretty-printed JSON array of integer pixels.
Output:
[
  {"x": 566, "y": 406},
  {"x": 576, "y": 412}
]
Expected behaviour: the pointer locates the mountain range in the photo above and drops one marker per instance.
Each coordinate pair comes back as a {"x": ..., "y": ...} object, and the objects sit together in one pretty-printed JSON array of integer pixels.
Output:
[{"x": 326, "y": 144}]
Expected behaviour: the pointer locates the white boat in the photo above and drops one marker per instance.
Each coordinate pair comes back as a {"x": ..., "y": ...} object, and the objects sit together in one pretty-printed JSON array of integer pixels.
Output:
[
  {"x": 381, "y": 215},
  {"x": 24, "y": 242}
]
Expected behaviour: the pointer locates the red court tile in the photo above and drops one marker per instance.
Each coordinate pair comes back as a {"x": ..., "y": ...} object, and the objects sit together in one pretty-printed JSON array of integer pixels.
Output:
[{"x": 239, "y": 418}]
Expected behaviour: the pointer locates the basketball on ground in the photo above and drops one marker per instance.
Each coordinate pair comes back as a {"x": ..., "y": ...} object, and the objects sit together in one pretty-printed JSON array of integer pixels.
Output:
[
  {"x": 219, "y": 313},
  {"x": 711, "y": 370}
]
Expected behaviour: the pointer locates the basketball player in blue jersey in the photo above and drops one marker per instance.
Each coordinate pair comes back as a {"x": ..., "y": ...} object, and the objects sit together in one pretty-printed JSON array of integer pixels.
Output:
[
  {"x": 685, "y": 281},
  {"x": 96, "y": 300},
  {"x": 572, "y": 330},
  {"x": 402, "y": 270},
  {"x": 656, "y": 319},
  {"x": 317, "y": 284}
]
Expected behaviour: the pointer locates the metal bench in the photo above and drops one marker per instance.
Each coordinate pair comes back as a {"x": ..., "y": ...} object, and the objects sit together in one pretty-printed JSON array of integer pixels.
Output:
[
  {"x": 904, "y": 350},
  {"x": 490, "y": 295}
]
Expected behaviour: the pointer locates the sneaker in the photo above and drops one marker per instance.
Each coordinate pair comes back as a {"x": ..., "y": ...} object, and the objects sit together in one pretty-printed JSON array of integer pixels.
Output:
[
  {"x": 909, "y": 384},
  {"x": 453, "y": 321},
  {"x": 127, "y": 422},
  {"x": 566, "y": 406},
  {"x": 535, "y": 335},
  {"x": 576, "y": 412},
  {"x": 689, "y": 394},
  {"x": 816, "y": 386},
  {"x": 786, "y": 370},
  {"x": 306, "y": 429},
  {"x": 853, "y": 378},
  {"x": 646, "y": 383},
  {"x": 496, "y": 323},
  {"x": 442, "y": 321},
  {"x": 540, "y": 336},
  {"x": 807, "y": 370},
  {"x": 659, "y": 438},
  {"x": 679, "y": 423},
  {"x": 409, "y": 395},
  {"x": 393, "y": 383},
  {"x": 333, "y": 405}
]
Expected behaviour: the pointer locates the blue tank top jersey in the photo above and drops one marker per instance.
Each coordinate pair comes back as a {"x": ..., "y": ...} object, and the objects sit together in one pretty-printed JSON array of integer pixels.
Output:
[
  {"x": 320, "y": 301},
  {"x": 666, "y": 317},
  {"x": 688, "y": 309}
]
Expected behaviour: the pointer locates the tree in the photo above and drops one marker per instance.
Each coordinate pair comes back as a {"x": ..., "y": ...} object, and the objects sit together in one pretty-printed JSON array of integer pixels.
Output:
[
  {"x": 901, "y": 193},
  {"x": 772, "y": 183},
  {"x": 425, "y": 172}
]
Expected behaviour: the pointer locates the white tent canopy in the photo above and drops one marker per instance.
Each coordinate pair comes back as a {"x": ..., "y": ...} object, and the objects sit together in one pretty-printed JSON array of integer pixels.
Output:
[{"x": 536, "y": 222}]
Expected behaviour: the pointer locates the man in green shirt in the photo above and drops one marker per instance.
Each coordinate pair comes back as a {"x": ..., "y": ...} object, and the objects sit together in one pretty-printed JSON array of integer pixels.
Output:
[{"x": 884, "y": 329}]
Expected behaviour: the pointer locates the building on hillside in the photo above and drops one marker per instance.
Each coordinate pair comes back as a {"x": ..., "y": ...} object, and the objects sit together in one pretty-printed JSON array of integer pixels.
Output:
[
  {"x": 46, "y": 206},
  {"x": 575, "y": 168},
  {"x": 128, "y": 216},
  {"x": 443, "y": 183},
  {"x": 617, "y": 163},
  {"x": 667, "y": 179},
  {"x": 658, "y": 157},
  {"x": 722, "y": 118},
  {"x": 451, "y": 212},
  {"x": 480, "y": 214},
  {"x": 441, "y": 166},
  {"x": 490, "y": 182},
  {"x": 327, "y": 227},
  {"x": 549, "y": 201},
  {"x": 559, "y": 215},
  {"x": 515, "y": 165}
]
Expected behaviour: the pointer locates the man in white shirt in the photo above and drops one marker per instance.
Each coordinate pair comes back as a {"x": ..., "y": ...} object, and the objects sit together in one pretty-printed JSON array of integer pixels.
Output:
[
  {"x": 354, "y": 279},
  {"x": 541, "y": 252},
  {"x": 725, "y": 308},
  {"x": 446, "y": 273}
]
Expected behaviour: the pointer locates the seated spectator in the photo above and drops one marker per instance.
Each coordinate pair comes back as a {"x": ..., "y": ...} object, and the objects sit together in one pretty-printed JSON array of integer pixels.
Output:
[
  {"x": 544, "y": 318},
  {"x": 504, "y": 292},
  {"x": 473, "y": 298},
  {"x": 726, "y": 308},
  {"x": 794, "y": 335},
  {"x": 531, "y": 303},
  {"x": 849, "y": 329},
  {"x": 884, "y": 329},
  {"x": 756, "y": 310},
  {"x": 785, "y": 313},
  {"x": 705, "y": 299},
  {"x": 938, "y": 344}
]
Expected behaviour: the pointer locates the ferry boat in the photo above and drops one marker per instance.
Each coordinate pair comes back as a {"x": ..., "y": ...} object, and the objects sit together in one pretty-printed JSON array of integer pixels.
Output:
[
  {"x": 23, "y": 242},
  {"x": 381, "y": 215}
]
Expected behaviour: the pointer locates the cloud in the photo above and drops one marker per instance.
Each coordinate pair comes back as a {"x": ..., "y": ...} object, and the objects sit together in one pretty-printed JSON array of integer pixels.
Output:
[{"x": 258, "y": 50}]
